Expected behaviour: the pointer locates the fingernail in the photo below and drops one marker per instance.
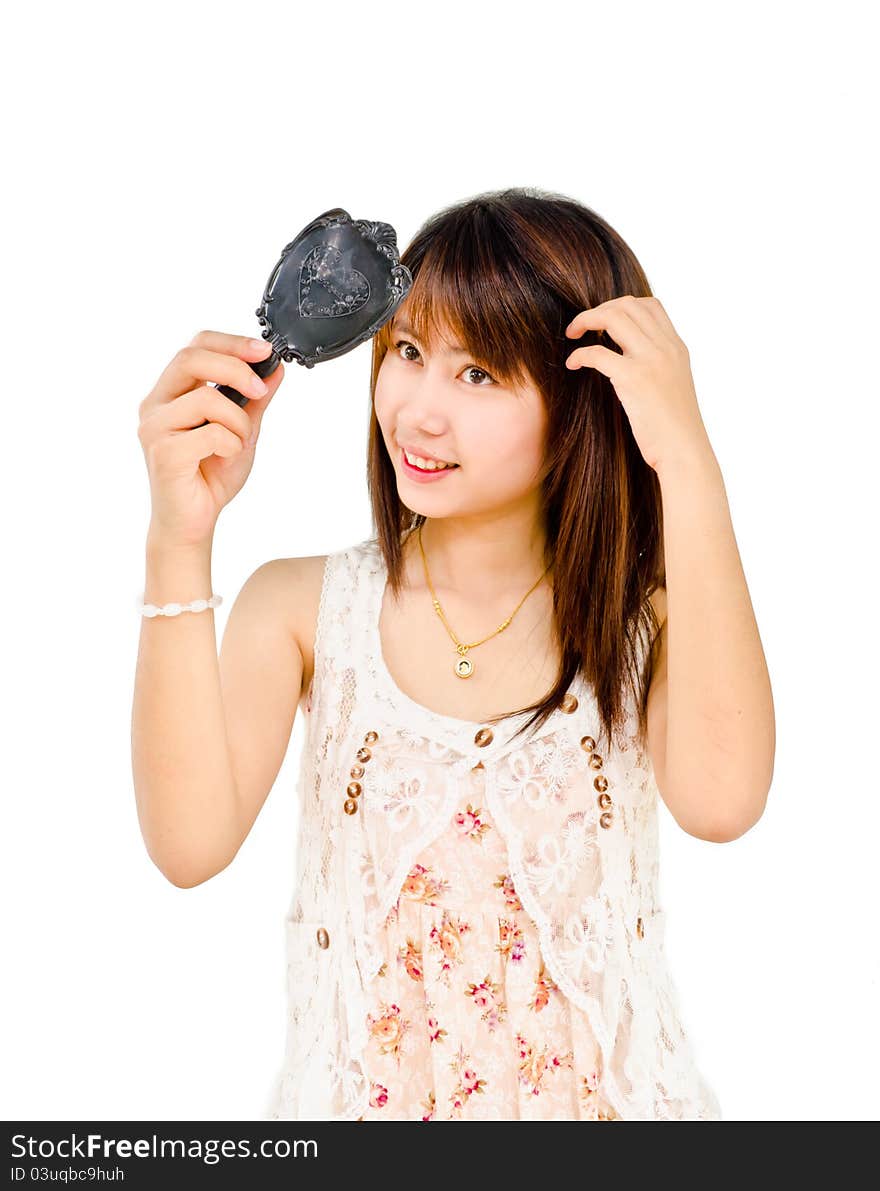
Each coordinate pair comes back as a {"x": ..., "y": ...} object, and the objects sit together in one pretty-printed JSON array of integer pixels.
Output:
[
  {"x": 259, "y": 386},
  {"x": 259, "y": 344}
]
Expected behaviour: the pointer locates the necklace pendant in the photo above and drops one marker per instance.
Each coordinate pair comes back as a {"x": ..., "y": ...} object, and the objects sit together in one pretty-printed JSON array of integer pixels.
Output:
[{"x": 464, "y": 667}]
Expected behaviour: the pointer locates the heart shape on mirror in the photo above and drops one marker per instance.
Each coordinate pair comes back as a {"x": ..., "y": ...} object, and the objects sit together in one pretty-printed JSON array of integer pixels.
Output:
[{"x": 343, "y": 291}]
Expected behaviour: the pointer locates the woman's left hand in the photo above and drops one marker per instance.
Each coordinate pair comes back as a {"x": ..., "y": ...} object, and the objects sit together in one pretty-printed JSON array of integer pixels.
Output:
[{"x": 652, "y": 377}]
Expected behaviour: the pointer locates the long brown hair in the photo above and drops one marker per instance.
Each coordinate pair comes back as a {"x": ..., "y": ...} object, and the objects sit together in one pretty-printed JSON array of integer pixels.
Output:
[{"x": 506, "y": 272}]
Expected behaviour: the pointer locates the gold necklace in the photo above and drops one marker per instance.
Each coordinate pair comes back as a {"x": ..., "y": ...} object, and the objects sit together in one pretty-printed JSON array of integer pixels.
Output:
[{"x": 464, "y": 667}]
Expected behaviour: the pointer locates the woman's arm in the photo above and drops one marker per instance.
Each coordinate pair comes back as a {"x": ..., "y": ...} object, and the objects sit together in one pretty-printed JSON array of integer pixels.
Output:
[
  {"x": 209, "y": 734},
  {"x": 711, "y": 674}
]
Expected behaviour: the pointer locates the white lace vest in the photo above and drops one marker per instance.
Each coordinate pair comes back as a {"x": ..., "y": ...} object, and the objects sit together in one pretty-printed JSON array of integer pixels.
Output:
[{"x": 582, "y": 840}]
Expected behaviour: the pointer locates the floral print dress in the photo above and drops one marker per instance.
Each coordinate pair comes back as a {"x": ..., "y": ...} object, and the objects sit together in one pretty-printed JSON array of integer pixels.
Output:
[{"x": 465, "y": 1023}]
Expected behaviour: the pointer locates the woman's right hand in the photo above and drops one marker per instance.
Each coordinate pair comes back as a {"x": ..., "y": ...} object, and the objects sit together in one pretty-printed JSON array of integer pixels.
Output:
[{"x": 195, "y": 469}]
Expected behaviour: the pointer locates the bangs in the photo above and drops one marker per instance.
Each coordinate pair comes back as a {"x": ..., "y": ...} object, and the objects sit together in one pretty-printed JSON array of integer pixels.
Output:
[{"x": 461, "y": 294}]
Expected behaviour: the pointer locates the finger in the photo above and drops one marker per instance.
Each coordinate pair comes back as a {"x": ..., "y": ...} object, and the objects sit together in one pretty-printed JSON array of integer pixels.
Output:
[
  {"x": 627, "y": 322},
  {"x": 185, "y": 449},
  {"x": 272, "y": 381},
  {"x": 233, "y": 345},
  {"x": 258, "y": 412},
  {"x": 604, "y": 360},
  {"x": 193, "y": 366},
  {"x": 191, "y": 410}
]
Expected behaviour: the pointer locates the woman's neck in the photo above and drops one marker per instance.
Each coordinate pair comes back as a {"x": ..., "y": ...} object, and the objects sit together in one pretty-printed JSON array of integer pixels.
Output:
[{"x": 481, "y": 559}]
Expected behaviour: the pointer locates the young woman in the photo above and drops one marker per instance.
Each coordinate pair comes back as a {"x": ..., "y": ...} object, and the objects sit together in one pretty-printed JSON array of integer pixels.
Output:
[{"x": 476, "y": 931}]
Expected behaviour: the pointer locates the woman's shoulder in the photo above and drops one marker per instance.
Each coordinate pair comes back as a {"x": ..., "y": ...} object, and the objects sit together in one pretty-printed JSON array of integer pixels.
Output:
[{"x": 298, "y": 584}]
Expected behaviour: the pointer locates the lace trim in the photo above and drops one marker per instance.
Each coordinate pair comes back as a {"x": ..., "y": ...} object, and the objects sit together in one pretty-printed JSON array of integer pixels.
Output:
[{"x": 321, "y": 620}]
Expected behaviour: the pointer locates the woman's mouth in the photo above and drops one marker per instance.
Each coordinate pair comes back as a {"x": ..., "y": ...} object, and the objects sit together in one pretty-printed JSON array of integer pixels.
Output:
[{"x": 425, "y": 474}]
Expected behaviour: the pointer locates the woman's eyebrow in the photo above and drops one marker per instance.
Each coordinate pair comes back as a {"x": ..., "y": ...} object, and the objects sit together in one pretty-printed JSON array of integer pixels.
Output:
[{"x": 403, "y": 329}]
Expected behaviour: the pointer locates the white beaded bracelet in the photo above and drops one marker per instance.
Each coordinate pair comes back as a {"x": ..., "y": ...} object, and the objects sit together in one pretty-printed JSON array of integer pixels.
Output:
[{"x": 176, "y": 609}]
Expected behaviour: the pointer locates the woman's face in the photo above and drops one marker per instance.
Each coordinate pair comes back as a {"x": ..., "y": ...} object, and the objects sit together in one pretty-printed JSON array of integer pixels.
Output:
[{"x": 445, "y": 407}]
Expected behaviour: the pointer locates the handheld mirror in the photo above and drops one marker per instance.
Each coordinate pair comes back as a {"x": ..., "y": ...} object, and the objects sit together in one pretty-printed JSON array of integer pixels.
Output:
[{"x": 334, "y": 286}]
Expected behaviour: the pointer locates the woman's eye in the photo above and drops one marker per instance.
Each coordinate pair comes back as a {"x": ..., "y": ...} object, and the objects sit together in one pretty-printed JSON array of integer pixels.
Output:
[
  {"x": 483, "y": 372},
  {"x": 469, "y": 368},
  {"x": 403, "y": 343}
]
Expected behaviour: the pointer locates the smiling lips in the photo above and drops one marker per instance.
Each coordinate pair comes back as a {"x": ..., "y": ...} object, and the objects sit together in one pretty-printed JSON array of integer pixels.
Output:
[
  {"x": 425, "y": 462},
  {"x": 427, "y": 475}
]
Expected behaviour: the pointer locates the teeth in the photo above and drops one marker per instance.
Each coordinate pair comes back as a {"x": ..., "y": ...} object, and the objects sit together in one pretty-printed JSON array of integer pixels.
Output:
[{"x": 426, "y": 464}]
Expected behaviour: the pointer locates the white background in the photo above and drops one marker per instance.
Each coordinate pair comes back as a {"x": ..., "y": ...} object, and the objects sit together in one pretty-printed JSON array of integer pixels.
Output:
[{"x": 158, "y": 158}]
